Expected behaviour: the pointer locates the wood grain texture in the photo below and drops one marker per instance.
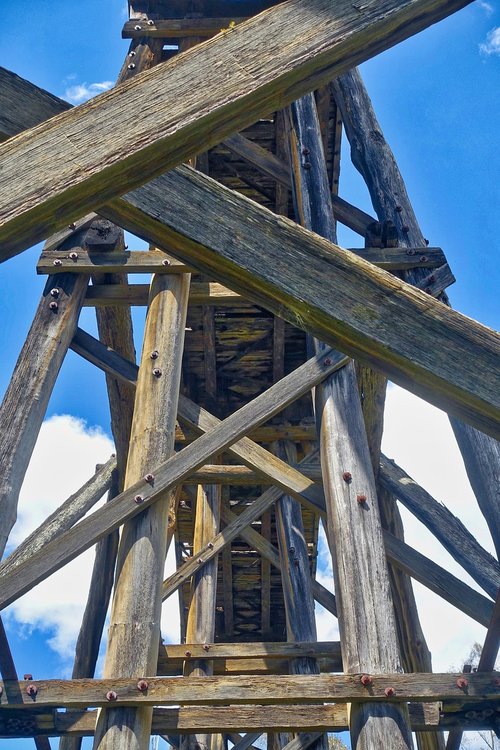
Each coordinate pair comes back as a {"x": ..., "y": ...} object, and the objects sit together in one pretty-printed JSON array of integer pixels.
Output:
[
  {"x": 450, "y": 531},
  {"x": 177, "y": 27},
  {"x": 167, "y": 476},
  {"x": 34, "y": 376},
  {"x": 280, "y": 689},
  {"x": 277, "y": 56},
  {"x": 23, "y": 105},
  {"x": 418, "y": 342}
]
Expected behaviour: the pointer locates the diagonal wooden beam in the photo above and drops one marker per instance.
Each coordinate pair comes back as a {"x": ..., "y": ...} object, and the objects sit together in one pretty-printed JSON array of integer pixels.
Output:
[
  {"x": 427, "y": 348},
  {"x": 166, "y": 476},
  {"x": 55, "y": 173}
]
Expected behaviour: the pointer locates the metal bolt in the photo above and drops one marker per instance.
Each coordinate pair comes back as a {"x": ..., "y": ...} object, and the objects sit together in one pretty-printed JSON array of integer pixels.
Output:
[
  {"x": 165, "y": 262},
  {"x": 149, "y": 478},
  {"x": 57, "y": 262},
  {"x": 200, "y": 561},
  {"x": 424, "y": 258},
  {"x": 210, "y": 545},
  {"x": 431, "y": 279},
  {"x": 73, "y": 255},
  {"x": 462, "y": 683},
  {"x": 31, "y": 690},
  {"x": 496, "y": 681},
  {"x": 410, "y": 251},
  {"x": 53, "y": 305},
  {"x": 72, "y": 225},
  {"x": 142, "y": 685},
  {"x": 307, "y": 165},
  {"x": 187, "y": 653},
  {"x": 306, "y": 151},
  {"x": 405, "y": 229},
  {"x": 347, "y": 476},
  {"x": 28, "y": 677},
  {"x": 138, "y": 499},
  {"x": 157, "y": 372},
  {"x": 389, "y": 692},
  {"x": 151, "y": 23},
  {"x": 54, "y": 292},
  {"x": 137, "y": 27},
  {"x": 154, "y": 354},
  {"x": 361, "y": 499},
  {"x": 292, "y": 550},
  {"x": 426, "y": 242},
  {"x": 131, "y": 66},
  {"x": 111, "y": 695},
  {"x": 206, "y": 647},
  {"x": 398, "y": 209},
  {"x": 125, "y": 247},
  {"x": 131, "y": 54},
  {"x": 328, "y": 361},
  {"x": 366, "y": 680}
]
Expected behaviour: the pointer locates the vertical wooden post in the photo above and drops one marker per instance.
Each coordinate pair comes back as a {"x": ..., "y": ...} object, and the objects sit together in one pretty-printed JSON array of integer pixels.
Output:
[
  {"x": 366, "y": 616},
  {"x": 134, "y": 631}
]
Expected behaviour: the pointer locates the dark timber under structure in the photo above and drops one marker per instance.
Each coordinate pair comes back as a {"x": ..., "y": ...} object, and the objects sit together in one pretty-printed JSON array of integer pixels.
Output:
[{"x": 246, "y": 423}]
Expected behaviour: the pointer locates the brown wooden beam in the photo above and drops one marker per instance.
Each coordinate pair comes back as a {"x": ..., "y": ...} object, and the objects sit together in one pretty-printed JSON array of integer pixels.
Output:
[{"x": 84, "y": 160}]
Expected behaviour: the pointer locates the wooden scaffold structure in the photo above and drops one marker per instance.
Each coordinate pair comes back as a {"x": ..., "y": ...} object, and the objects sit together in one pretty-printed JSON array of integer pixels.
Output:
[{"x": 233, "y": 442}]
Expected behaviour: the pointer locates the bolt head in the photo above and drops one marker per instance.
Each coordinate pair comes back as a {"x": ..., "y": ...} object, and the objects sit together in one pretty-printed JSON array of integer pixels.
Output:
[
  {"x": 149, "y": 478},
  {"x": 131, "y": 66},
  {"x": 424, "y": 258},
  {"x": 151, "y": 23},
  {"x": 111, "y": 695},
  {"x": 154, "y": 354},
  {"x": 28, "y": 677},
  {"x": 328, "y": 361},
  {"x": 306, "y": 151},
  {"x": 157, "y": 372},
  {"x": 366, "y": 680},
  {"x": 307, "y": 165},
  {"x": 361, "y": 498},
  {"x": 72, "y": 225},
  {"x": 347, "y": 476},
  {"x": 398, "y": 209},
  {"x": 57, "y": 262},
  {"x": 165, "y": 262},
  {"x": 187, "y": 653},
  {"x": 138, "y": 499},
  {"x": 206, "y": 647},
  {"x": 137, "y": 27},
  {"x": 210, "y": 545},
  {"x": 142, "y": 685},
  {"x": 31, "y": 690},
  {"x": 462, "y": 683},
  {"x": 131, "y": 54},
  {"x": 389, "y": 692},
  {"x": 53, "y": 305},
  {"x": 405, "y": 229},
  {"x": 54, "y": 292},
  {"x": 73, "y": 255}
]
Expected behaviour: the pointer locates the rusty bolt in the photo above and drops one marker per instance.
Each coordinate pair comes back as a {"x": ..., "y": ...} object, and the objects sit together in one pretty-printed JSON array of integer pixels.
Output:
[
  {"x": 462, "y": 683},
  {"x": 398, "y": 209},
  {"x": 361, "y": 499},
  {"x": 206, "y": 647},
  {"x": 73, "y": 255},
  {"x": 142, "y": 685},
  {"x": 28, "y": 677},
  {"x": 307, "y": 165},
  {"x": 328, "y": 361},
  {"x": 131, "y": 66},
  {"x": 154, "y": 354},
  {"x": 111, "y": 695},
  {"x": 347, "y": 476},
  {"x": 57, "y": 262},
  {"x": 389, "y": 692},
  {"x": 54, "y": 292},
  {"x": 149, "y": 478},
  {"x": 157, "y": 372},
  {"x": 138, "y": 499},
  {"x": 366, "y": 680},
  {"x": 424, "y": 258},
  {"x": 32, "y": 691},
  {"x": 165, "y": 262},
  {"x": 137, "y": 27},
  {"x": 187, "y": 653},
  {"x": 72, "y": 225},
  {"x": 53, "y": 305}
]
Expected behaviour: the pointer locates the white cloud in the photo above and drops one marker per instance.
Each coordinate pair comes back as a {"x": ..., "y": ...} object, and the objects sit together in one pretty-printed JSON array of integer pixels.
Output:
[
  {"x": 492, "y": 44},
  {"x": 81, "y": 92},
  {"x": 487, "y": 7}
]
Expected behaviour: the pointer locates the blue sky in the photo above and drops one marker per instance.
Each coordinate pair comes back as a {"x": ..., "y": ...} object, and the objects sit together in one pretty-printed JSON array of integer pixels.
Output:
[{"x": 436, "y": 97}]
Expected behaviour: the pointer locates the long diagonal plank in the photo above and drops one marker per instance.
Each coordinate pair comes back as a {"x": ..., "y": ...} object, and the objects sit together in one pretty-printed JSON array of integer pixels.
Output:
[
  {"x": 166, "y": 476},
  {"x": 419, "y": 343},
  {"x": 279, "y": 689},
  {"x": 57, "y": 171}
]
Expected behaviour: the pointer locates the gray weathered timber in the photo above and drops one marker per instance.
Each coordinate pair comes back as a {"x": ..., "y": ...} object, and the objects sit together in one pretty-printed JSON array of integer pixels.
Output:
[
  {"x": 134, "y": 630},
  {"x": 34, "y": 376},
  {"x": 201, "y": 293},
  {"x": 367, "y": 624},
  {"x": 373, "y": 157},
  {"x": 277, "y": 56},
  {"x": 167, "y": 476},
  {"x": 450, "y": 531},
  {"x": 71, "y": 511},
  {"x": 177, "y": 27},
  {"x": 422, "y": 345},
  {"x": 254, "y": 650},
  {"x": 268, "y": 689},
  {"x": 23, "y": 105}
]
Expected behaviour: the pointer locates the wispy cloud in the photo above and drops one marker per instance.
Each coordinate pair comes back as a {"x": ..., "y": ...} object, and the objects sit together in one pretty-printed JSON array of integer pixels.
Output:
[
  {"x": 491, "y": 46},
  {"x": 487, "y": 7},
  {"x": 81, "y": 92}
]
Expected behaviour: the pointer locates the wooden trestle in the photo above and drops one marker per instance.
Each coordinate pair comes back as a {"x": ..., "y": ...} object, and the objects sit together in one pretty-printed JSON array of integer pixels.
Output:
[{"x": 220, "y": 447}]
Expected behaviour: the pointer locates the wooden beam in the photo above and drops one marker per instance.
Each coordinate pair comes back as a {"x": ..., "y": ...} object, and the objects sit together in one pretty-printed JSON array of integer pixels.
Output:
[
  {"x": 253, "y": 650},
  {"x": 143, "y": 261},
  {"x": 433, "y": 351},
  {"x": 286, "y": 51},
  {"x": 34, "y": 377},
  {"x": 210, "y": 719},
  {"x": 165, "y": 28},
  {"x": 282, "y": 689},
  {"x": 201, "y": 293},
  {"x": 167, "y": 476},
  {"x": 450, "y": 531}
]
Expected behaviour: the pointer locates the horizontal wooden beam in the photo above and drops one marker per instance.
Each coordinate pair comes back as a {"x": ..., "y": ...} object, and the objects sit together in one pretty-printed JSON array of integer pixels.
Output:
[
  {"x": 280, "y": 689},
  {"x": 201, "y": 293},
  {"x": 415, "y": 340},
  {"x": 151, "y": 261},
  {"x": 177, "y": 27},
  {"x": 50, "y": 176},
  {"x": 211, "y": 719},
  {"x": 166, "y": 476},
  {"x": 250, "y": 666},
  {"x": 241, "y": 475},
  {"x": 257, "y": 650}
]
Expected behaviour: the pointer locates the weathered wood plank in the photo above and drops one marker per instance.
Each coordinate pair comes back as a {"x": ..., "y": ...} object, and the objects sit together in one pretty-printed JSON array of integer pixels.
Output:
[
  {"x": 433, "y": 351},
  {"x": 201, "y": 293},
  {"x": 143, "y": 261},
  {"x": 279, "y": 55},
  {"x": 252, "y": 650},
  {"x": 212, "y": 718},
  {"x": 167, "y": 476},
  {"x": 450, "y": 531},
  {"x": 281, "y": 689},
  {"x": 177, "y": 27}
]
